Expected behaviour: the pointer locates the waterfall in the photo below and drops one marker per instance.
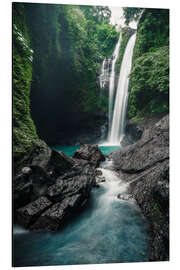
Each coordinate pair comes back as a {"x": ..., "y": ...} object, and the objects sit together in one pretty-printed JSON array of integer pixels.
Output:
[
  {"x": 119, "y": 113},
  {"x": 112, "y": 82},
  {"x": 104, "y": 75}
]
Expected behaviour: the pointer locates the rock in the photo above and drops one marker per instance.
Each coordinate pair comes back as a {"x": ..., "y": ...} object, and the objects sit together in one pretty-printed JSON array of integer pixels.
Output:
[
  {"x": 152, "y": 148},
  {"x": 55, "y": 216},
  {"x": 28, "y": 214},
  {"x": 22, "y": 191},
  {"x": 133, "y": 133},
  {"x": 40, "y": 155},
  {"x": 26, "y": 171},
  {"x": 30, "y": 184},
  {"x": 126, "y": 197},
  {"x": 145, "y": 165},
  {"x": 98, "y": 172},
  {"x": 40, "y": 181},
  {"x": 47, "y": 192},
  {"x": 96, "y": 185},
  {"x": 61, "y": 199},
  {"x": 79, "y": 184},
  {"x": 100, "y": 180},
  {"x": 152, "y": 194},
  {"x": 59, "y": 163},
  {"x": 90, "y": 153}
]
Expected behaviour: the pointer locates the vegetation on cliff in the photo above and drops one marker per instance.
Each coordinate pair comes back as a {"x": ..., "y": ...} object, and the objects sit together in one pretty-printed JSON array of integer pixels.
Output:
[
  {"x": 24, "y": 132},
  {"x": 57, "y": 54},
  {"x": 149, "y": 79},
  {"x": 69, "y": 43}
]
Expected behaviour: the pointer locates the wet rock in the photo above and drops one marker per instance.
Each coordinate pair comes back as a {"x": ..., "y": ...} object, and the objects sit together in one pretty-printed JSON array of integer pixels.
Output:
[
  {"x": 98, "y": 172},
  {"x": 145, "y": 165},
  {"x": 59, "y": 163},
  {"x": 30, "y": 184},
  {"x": 26, "y": 171},
  {"x": 100, "y": 180},
  {"x": 133, "y": 132},
  {"x": 55, "y": 216},
  {"x": 152, "y": 194},
  {"x": 61, "y": 199},
  {"x": 90, "y": 153},
  {"x": 126, "y": 197},
  {"x": 81, "y": 184},
  {"x": 152, "y": 148},
  {"x": 57, "y": 186},
  {"x": 40, "y": 155},
  {"x": 28, "y": 214},
  {"x": 96, "y": 185}
]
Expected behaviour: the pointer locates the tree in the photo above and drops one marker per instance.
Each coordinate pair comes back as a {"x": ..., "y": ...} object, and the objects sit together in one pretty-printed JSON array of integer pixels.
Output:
[{"x": 131, "y": 14}]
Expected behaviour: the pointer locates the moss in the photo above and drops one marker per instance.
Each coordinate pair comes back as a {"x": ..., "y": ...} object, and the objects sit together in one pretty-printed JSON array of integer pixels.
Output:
[
  {"x": 149, "y": 79},
  {"x": 155, "y": 210},
  {"x": 149, "y": 84},
  {"x": 24, "y": 132}
]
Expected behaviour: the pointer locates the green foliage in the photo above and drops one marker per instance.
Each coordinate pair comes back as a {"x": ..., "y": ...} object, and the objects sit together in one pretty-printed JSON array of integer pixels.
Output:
[
  {"x": 69, "y": 44},
  {"x": 131, "y": 14},
  {"x": 150, "y": 83},
  {"x": 98, "y": 14},
  {"x": 149, "y": 79},
  {"x": 74, "y": 41},
  {"x": 153, "y": 31},
  {"x": 107, "y": 37},
  {"x": 24, "y": 133}
]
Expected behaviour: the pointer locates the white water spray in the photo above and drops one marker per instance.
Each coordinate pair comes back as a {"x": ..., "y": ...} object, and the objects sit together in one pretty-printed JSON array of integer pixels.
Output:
[
  {"x": 119, "y": 114},
  {"x": 112, "y": 80},
  {"x": 104, "y": 76}
]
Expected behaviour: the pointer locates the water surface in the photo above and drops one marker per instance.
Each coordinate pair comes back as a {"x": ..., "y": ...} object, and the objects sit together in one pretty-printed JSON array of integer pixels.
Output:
[{"x": 70, "y": 150}]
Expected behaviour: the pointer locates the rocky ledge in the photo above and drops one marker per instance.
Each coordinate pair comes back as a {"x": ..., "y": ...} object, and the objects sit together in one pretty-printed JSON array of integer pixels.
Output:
[
  {"x": 145, "y": 165},
  {"x": 53, "y": 187}
]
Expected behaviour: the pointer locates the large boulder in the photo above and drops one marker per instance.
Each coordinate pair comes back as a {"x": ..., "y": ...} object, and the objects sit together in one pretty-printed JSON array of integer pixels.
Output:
[
  {"x": 145, "y": 165},
  {"x": 61, "y": 200},
  {"x": 55, "y": 217},
  {"x": 31, "y": 183},
  {"x": 91, "y": 153},
  {"x": 29, "y": 213},
  {"x": 151, "y": 149},
  {"x": 59, "y": 163},
  {"x": 42, "y": 170}
]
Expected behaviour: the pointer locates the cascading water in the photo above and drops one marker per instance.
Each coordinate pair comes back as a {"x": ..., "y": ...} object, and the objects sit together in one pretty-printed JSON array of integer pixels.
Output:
[
  {"x": 112, "y": 81},
  {"x": 104, "y": 76},
  {"x": 119, "y": 114}
]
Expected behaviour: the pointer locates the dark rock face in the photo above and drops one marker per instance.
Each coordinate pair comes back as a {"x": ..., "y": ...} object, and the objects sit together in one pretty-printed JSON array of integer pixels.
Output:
[
  {"x": 126, "y": 197},
  {"x": 133, "y": 132},
  {"x": 59, "y": 163},
  {"x": 152, "y": 148},
  {"x": 91, "y": 153},
  {"x": 26, "y": 215},
  {"x": 44, "y": 197},
  {"x": 42, "y": 170},
  {"x": 145, "y": 165}
]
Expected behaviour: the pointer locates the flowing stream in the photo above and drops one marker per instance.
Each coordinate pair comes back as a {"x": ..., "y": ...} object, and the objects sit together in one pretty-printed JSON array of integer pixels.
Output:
[{"x": 109, "y": 230}]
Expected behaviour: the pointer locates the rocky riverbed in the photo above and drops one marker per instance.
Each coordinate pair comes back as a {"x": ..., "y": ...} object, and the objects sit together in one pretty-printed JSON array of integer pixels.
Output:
[
  {"x": 54, "y": 187},
  {"x": 145, "y": 166}
]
